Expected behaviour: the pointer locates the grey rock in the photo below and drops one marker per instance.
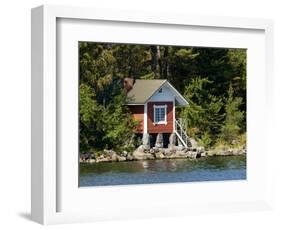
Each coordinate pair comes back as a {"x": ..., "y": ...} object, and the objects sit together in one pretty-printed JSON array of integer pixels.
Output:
[
  {"x": 180, "y": 148},
  {"x": 159, "y": 155},
  {"x": 151, "y": 151},
  {"x": 124, "y": 153},
  {"x": 85, "y": 157},
  {"x": 193, "y": 142},
  {"x": 203, "y": 154},
  {"x": 109, "y": 153},
  {"x": 200, "y": 149},
  {"x": 92, "y": 161},
  {"x": 141, "y": 155},
  {"x": 102, "y": 159},
  {"x": 181, "y": 154},
  {"x": 121, "y": 158},
  {"x": 155, "y": 149},
  {"x": 236, "y": 151},
  {"x": 114, "y": 157},
  {"x": 140, "y": 149},
  {"x": 130, "y": 158},
  {"x": 169, "y": 151}
]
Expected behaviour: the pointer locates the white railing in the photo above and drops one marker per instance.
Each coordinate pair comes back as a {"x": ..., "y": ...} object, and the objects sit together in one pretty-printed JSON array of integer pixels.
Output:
[{"x": 180, "y": 129}]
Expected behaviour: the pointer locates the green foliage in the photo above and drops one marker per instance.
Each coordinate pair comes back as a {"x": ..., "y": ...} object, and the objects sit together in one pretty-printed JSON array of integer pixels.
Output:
[
  {"x": 205, "y": 140},
  {"x": 118, "y": 124},
  {"x": 213, "y": 80},
  {"x": 204, "y": 114},
  {"x": 231, "y": 127},
  {"x": 105, "y": 121}
]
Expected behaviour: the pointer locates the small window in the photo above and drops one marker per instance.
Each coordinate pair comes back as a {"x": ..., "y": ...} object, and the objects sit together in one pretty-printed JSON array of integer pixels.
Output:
[{"x": 160, "y": 114}]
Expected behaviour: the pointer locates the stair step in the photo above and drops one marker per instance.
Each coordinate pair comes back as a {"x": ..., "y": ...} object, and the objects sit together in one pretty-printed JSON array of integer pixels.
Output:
[{"x": 181, "y": 133}]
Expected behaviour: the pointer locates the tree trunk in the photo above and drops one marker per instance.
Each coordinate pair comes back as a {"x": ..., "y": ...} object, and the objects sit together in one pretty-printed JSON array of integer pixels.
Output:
[
  {"x": 165, "y": 68},
  {"x": 155, "y": 61}
]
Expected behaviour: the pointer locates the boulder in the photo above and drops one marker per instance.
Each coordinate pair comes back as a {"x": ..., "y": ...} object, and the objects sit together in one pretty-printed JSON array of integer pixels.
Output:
[
  {"x": 193, "y": 142},
  {"x": 121, "y": 158},
  {"x": 203, "y": 154},
  {"x": 139, "y": 154},
  {"x": 109, "y": 152},
  {"x": 114, "y": 157},
  {"x": 124, "y": 153},
  {"x": 200, "y": 149},
  {"x": 194, "y": 155},
  {"x": 129, "y": 158},
  {"x": 169, "y": 151},
  {"x": 181, "y": 154},
  {"x": 155, "y": 149},
  {"x": 152, "y": 151},
  {"x": 180, "y": 147},
  {"x": 92, "y": 161},
  {"x": 102, "y": 159},
  {"x": 86, "y": 157},
  {"x": 236, "y": 151},
  {"x": 140, "y": 149},
  {"x": 159, "y": 155}
]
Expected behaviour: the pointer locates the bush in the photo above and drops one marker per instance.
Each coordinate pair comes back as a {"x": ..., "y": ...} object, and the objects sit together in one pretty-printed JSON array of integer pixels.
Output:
[{"x": 205, "y": 140}]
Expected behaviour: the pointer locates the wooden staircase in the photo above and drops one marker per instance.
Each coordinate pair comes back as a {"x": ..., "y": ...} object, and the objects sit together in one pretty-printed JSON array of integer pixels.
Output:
[{"x": 180, "y": 130}]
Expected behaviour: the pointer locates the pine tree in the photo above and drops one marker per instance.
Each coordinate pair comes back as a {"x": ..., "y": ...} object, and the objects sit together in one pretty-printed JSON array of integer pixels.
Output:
[
  {"x": 203, "y": 115},
  {"x": 232, "y": 125}
]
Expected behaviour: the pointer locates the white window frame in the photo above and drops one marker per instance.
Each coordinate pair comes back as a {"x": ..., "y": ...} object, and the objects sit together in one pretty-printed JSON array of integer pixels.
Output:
[{"x": 154, "y": 114}]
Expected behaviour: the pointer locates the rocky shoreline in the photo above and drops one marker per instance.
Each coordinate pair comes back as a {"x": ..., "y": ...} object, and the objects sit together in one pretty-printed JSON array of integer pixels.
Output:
[{"x": 175, "y": 152}]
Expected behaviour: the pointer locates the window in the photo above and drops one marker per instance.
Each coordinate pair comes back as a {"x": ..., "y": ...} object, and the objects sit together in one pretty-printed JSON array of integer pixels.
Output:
[{"x": 160, "y": 114}]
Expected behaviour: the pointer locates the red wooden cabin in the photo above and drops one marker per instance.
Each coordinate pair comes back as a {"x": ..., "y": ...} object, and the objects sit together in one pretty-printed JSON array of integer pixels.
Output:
[{"x": 152, "y": 102}]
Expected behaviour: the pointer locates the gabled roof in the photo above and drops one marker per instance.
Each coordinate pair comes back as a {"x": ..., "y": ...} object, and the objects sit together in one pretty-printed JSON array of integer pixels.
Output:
[{"x": 143, "y": 90}]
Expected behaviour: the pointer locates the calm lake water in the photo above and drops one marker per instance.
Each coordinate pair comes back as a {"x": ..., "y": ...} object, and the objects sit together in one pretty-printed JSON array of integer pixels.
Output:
[{"x": 163, "y": 171}]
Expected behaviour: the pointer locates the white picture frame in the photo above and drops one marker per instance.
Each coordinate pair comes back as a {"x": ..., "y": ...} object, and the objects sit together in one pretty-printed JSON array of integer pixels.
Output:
[{"x": 46, "y": 183}]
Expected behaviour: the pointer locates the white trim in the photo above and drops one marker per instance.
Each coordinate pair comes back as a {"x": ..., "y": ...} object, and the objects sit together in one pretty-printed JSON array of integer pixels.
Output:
[
  {"x": 156, "y": 91},
  {"x": 167, "y": 83},
  {"x": 145, "y": 118},
  {"x": 159, "y": 107},
  {"x": 186, "y": 102}
]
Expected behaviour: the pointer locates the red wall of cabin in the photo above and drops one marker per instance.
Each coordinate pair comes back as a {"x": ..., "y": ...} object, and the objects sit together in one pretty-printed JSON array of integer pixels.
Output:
[
  {"x": 137, "y": 112},
  {"x": 160, "y": 128}
]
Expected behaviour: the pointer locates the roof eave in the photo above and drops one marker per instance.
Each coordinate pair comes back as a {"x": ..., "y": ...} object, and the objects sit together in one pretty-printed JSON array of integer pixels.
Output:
[{"x": 135, "y": 103}]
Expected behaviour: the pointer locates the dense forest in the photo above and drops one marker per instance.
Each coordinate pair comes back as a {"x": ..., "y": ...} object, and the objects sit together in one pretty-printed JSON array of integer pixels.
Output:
[{"x": 213, "y": 80}]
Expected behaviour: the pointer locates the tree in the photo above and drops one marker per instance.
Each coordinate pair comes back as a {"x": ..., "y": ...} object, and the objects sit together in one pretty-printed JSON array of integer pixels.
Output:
[
  {"x": 118, "y": 124},
  {"x": 155, "y": 61},
  {"x": 103, "y": 111},
  {"x": 231, "y": 128},
  {"x": 204, "y": 113},
  {"x": 89, "y": 112},
  {"x": 105, "y": 121}
]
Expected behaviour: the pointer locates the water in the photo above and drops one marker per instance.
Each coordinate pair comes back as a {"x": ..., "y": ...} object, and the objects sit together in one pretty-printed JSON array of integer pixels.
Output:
[{"x": 163, "y": 171}]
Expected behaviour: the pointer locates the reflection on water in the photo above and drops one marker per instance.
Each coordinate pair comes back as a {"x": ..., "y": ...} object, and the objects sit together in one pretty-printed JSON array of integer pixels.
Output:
[{"x": 163, "y": 171}]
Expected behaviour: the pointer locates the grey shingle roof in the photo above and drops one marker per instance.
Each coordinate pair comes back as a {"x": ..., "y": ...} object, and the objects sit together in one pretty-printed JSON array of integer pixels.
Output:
[{"x": 143, "y": 90}]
